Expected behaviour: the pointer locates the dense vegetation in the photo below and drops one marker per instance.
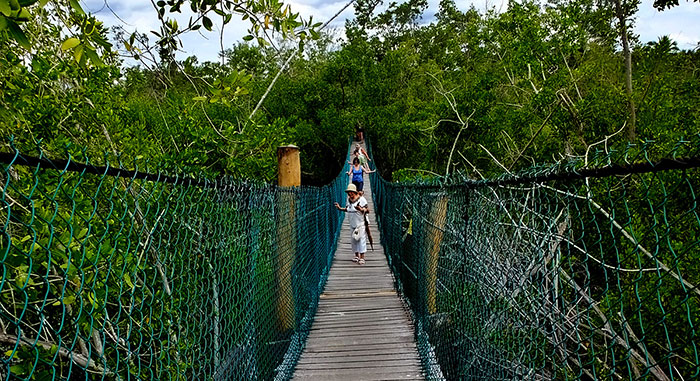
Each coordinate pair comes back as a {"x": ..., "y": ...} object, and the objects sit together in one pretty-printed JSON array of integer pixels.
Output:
[{"x": 534, "y": 83}]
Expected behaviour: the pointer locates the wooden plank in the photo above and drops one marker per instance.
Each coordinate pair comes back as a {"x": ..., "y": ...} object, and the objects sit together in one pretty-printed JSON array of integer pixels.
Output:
[
  {"x": 394, "y": 373},
  {"x": 378, "y": 315},
  {"x": 333, "y": 362},
  {"x": 335, "y": 333},
  {"x": 357, "y": 351},
  {"x": 361, "y": 308},
  {"x": 374, "y": 363},
  {"x": 383, "y": 323},
  {"x": 365, "y": 316},
  {"x": 406, "y": 352}
]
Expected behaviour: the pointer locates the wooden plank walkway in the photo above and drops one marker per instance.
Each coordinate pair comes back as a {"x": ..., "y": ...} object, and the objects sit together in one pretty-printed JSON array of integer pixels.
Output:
[{"x": 361, "y": 330}]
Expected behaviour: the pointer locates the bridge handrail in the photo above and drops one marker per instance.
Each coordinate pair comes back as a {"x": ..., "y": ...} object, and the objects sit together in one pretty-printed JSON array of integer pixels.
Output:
[
  {"x": 570, "y": 271},
  {"x": 108, "y": 272}
]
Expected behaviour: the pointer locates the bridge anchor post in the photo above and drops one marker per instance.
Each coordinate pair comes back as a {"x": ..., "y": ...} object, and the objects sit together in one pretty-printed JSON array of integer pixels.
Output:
[
  {"x": 288, "y": 175},
  {"x": 436, "y": 228}
]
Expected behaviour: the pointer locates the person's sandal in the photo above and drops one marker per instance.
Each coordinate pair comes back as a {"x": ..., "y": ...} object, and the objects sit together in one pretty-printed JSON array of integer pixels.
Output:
[
  {"x": 362, "y": 261},
  {"x": 356, "y": 259}
]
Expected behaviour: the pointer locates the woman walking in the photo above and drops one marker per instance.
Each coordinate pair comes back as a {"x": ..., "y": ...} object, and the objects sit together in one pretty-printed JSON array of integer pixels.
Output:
[
  {"x": 357, "y": 171},
  {"x": 356, "y": 206}
]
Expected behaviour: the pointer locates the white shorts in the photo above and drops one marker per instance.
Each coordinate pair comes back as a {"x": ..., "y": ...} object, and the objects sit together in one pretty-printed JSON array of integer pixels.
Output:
[{"x": 361, "y": 245}]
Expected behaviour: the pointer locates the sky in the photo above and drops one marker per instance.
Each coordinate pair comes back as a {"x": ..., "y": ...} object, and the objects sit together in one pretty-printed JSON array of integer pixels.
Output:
[{"x": 681, "y": 23}]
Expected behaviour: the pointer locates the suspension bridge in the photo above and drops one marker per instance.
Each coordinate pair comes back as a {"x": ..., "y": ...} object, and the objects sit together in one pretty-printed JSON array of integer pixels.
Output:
[{"x": 581, "y": 271}]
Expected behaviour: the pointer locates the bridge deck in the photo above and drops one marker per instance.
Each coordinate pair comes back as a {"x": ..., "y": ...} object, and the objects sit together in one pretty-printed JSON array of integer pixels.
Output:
[{"x": 361, "y": 330}]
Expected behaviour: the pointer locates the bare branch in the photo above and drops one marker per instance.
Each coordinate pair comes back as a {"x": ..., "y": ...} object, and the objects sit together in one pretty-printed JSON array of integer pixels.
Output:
[{"x": 83, "y": 361}]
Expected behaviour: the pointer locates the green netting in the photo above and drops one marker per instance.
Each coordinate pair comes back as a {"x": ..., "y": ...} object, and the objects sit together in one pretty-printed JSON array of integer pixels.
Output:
[
  {"x": 565, "y": 272},
  {"x": 115, "y": 274}
]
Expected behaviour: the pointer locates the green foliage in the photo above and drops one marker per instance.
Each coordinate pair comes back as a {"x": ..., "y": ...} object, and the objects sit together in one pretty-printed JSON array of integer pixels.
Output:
[{"x": 520, "y": 87}]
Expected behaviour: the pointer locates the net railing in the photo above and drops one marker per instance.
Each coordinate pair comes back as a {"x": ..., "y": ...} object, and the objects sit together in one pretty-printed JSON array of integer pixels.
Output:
[
  {"x": 108, "y": 273},
  {"x": 578, "y": 272}
]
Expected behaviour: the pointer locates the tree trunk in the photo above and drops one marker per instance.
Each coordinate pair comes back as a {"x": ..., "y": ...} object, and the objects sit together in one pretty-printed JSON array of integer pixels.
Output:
[{"x": 622, "y": 19}]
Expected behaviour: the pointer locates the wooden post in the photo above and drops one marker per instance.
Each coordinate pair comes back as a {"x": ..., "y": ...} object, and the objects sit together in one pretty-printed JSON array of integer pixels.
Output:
[
  {"x": 288, "y": 175},
  {"x": 435, "y": 229},
  {"x": 289, "y": 166}
]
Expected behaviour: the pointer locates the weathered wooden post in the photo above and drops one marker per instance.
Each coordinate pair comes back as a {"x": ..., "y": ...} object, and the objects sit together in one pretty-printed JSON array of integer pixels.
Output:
[
  {"x": 289, "y": 170},
  {"x": 435, "y": 229},
  {"x": 288, "y": 176}
]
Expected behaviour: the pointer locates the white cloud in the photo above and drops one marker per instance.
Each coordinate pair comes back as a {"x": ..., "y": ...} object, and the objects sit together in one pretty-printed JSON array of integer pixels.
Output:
[{"x": 323, "y": 10}]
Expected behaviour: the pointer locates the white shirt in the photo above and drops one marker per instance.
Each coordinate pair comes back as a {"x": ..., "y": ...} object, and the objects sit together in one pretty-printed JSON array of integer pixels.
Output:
[{"x": 356, "y": 217}]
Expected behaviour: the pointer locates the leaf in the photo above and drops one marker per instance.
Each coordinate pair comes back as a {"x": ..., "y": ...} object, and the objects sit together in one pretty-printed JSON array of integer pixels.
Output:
[
  {"x": 92, "y": 299},
  {"x": 78, "y": 53},
  {"x": 26, "y": 3},
  {"x": 199, "y": 99},
  {"x": 70, "y": 43},
  {"x": 21, "y": 279},
  {"x": 3, "y": 22},
  {"x": 76, "y": 7},
  {"x": 18, "y": 35},
  {"x": 23, "y": 15},
  {"x": 99, "y": 40},
  {"x": 248, "y": 37},
  {"x": 97, "y": 61},
  {"x": 5, "y": 7},
  {"x": 207, "y": 23}
]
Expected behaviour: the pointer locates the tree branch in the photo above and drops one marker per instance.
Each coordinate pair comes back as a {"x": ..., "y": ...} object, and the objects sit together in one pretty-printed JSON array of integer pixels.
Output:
[{"x": 77, "y": 358}]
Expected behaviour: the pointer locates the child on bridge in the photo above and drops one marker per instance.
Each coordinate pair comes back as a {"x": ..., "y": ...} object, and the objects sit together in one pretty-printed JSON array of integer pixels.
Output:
[{"x": 357, "y": 207}]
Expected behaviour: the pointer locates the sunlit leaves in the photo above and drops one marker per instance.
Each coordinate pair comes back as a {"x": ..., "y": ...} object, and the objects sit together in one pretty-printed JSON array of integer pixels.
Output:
[
  {"x": 70, "y": 43},
  {"x": 227, "y": 88},
  {"x": 87, "y": 40},
  {"x": 5, "y": 8}
]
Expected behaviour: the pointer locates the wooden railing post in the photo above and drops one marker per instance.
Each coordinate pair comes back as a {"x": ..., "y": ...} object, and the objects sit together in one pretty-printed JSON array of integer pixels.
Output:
[
  {"x": 288, "y": 175},
  {"x": 435, "y": 229}
]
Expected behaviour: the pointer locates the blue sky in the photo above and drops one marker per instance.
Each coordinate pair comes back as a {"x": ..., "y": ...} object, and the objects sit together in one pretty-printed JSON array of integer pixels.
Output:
[{"x": 681, "y": 23}]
